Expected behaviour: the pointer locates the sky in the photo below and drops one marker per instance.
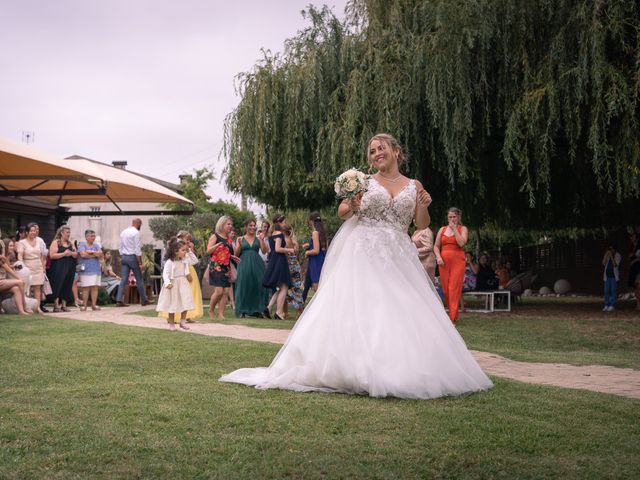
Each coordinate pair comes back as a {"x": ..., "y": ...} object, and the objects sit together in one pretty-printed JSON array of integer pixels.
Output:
[{"x": 145, "y": 81}]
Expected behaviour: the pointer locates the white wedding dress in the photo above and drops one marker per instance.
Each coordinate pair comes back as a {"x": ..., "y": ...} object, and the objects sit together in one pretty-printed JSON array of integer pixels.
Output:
[{"x": 376, "y": 326}]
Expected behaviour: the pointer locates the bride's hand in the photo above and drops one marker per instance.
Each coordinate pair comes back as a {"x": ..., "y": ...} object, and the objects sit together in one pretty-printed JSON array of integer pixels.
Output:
[
  {"x": 354, "y": 202},
  {"x": 424, "y": 199}
]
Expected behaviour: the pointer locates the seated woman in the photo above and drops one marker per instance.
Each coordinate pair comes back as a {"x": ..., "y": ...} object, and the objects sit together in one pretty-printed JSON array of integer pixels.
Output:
[
  {"x": 486, "y": 278},
  {"x": 12, "y": 286},
  {"x": 109, "y": 280}
]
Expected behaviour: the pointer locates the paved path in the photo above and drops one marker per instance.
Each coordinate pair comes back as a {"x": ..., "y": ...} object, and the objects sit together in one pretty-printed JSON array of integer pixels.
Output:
[{"x": 597, "y": 378}]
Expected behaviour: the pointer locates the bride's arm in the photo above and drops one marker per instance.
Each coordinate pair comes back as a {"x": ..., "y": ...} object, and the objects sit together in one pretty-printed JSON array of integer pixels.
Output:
[{"x": 349, "y": 206}]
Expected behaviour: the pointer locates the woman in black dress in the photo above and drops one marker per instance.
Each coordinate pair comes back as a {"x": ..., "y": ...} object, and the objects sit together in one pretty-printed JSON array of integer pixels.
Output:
[
  {"x": 63, "y": 268},
  {"x": 277, "y": 275}
]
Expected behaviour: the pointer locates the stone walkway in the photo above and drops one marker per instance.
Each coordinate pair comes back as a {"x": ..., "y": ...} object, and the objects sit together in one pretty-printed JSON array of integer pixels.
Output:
[{"x": 598, "y": 378}]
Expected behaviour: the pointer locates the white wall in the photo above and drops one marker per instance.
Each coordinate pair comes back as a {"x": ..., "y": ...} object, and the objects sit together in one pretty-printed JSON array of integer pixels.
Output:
[{"x": 108, "y": 228}]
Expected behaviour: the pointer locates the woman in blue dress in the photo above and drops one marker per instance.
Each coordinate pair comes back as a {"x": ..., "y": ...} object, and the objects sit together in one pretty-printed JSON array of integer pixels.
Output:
[
  {"x": 277, "y": 275},
  {"x": 316, "y": 250}
]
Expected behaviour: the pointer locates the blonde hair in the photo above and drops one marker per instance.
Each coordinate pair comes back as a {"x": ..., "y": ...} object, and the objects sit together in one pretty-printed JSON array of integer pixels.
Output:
[
  {"x": 220, "y": 223},
  {"x": 390, "y": 141},
  {"x": 455, "y": 210},
  {"x": 288, "y": 231},
  {"x": 61, "y": 229}
]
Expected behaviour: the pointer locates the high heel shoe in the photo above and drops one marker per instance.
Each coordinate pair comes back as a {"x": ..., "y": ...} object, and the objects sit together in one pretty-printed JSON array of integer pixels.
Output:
[
  {"x": 278, "y": 317},
  {"x": 266, "y": 313}
]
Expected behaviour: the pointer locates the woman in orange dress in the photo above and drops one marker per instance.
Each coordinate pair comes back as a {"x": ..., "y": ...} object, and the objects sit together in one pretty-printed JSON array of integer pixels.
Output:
[{"x": 449, "y": 252}]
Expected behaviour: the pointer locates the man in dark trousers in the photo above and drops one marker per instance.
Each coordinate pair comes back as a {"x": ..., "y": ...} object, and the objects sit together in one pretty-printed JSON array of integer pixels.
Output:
[{"x": 131, "y": 253}]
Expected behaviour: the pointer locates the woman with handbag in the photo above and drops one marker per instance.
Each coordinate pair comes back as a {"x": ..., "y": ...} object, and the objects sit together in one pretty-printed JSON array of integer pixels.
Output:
[
  {"x": 63, "y": 267},
  {"x": 89, "y": 270}
]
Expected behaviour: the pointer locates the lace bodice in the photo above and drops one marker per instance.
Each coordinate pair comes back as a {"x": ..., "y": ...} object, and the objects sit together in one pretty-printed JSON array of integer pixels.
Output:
[{"x": 379, "y": 209}]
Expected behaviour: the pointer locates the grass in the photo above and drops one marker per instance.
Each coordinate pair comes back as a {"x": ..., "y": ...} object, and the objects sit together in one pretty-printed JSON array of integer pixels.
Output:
[
  {"x": 559, "y": 330},
  {"x": 576, "y": 341},
  {"x": 542, "y": 329},
  {"x": 86, "y": 400}
]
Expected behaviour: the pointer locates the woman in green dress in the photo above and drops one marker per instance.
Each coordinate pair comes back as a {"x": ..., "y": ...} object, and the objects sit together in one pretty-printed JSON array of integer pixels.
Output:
[{"x": 251, "y": 297}]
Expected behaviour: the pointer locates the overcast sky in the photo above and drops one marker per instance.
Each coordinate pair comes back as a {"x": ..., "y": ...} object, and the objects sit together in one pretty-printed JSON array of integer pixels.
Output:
[{"x": 146, "y": 81}]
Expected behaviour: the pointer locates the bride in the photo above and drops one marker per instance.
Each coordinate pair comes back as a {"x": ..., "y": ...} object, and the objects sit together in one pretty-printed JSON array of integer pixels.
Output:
[{"x": 376, "y": 326}]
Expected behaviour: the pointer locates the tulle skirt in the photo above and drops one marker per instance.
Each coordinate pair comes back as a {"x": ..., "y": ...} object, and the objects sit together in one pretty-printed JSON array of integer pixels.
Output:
[
  {"x": 176, "y": 299},
  {"x": 376, "y": 327},
  {"x": 196, "y": 294}
]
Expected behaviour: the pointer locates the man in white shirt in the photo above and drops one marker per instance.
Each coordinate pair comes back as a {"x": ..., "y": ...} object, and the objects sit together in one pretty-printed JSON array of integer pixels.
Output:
[{"x": 131, "y": 253}]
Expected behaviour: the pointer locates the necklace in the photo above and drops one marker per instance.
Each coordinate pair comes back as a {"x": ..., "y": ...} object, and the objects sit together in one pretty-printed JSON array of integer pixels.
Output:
[{"x": 391, "y": 179}]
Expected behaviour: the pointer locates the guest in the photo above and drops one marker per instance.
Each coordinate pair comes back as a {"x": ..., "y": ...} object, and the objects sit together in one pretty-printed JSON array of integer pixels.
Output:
[
  {"x": 470, "y": 277},
  {"x": 21, "y": 233},
  {"x": 503, "y": 274},
  {"x": 63, "y": 268},
  {"x": 264, "y": 230},
  {"x": 196, "y": 291},
  {"x": 46, "y": 286},
  {"x": 233, "y": 272},
  {"x": 12, "y": 286},
  {"x": 611, "y": 276},
  {"x": 90, "y": 269},
  {"x": 109, "y": 279},
  {"x": 316, "y": 251},
  {"x": 251, "y": 296},
  {"x": 294, "y": 294},
  {"x": 176, "y": 295},
  {"x": 277, "y": 274},
  {"x": 192, "y": 260},
  {"x": 281, "y": 219},
  {"x": 131, "y": 253},
  {"x": 221, "y": 251},
  {"x": 9, "y": 250},
  {"x": 423, "y": 240},
  {"x": 449, "y": 252},
  {"x": 30, "y": 254},
  {"x": 486, "y": 278},
  {"x": 634, "y": 266}
]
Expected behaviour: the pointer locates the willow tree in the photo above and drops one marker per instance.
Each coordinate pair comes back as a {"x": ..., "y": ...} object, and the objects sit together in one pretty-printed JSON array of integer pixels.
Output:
[{"x": 524, "y": 114}]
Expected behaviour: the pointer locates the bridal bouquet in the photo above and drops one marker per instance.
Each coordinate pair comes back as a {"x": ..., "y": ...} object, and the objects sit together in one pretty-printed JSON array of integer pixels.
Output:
[{"x": 350, "y": 183}]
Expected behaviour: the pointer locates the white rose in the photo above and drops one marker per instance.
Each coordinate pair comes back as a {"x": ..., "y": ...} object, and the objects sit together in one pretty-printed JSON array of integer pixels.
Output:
[{"x": 352, "y": 184}]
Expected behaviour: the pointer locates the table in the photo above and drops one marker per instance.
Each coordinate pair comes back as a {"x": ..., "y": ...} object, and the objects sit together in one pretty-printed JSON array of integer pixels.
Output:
[{"x": 490, "y": 301}]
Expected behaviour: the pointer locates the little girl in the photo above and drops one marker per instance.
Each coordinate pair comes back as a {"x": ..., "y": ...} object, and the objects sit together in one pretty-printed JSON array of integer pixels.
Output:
[{"x": 175, "y": 295}]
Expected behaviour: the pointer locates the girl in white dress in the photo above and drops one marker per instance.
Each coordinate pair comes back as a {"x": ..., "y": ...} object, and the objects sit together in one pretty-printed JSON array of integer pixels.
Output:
[
  {"x": 377, "y": 326},
  {"x": 175, "y": 296}
]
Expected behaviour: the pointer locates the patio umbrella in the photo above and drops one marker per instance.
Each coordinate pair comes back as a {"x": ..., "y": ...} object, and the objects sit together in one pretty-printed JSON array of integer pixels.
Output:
[
  {"x": 27, "y": 172},
  {"x": 124, "y": 186}
]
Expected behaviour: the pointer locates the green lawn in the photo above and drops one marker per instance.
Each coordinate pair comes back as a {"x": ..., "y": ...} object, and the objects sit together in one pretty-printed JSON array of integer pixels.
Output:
[
  {"x": 543, "y": 329},
  {"x": 577, "y": 341},
  {"x": 85, "y": 400}
]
